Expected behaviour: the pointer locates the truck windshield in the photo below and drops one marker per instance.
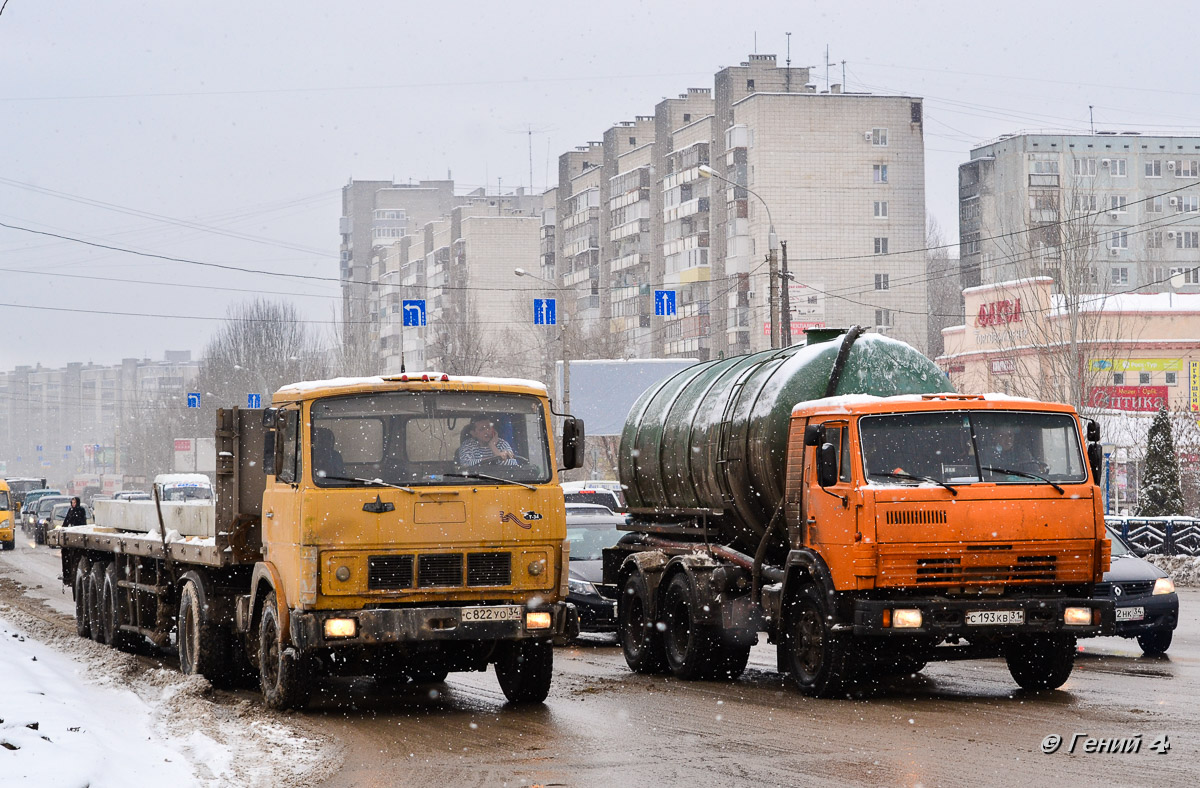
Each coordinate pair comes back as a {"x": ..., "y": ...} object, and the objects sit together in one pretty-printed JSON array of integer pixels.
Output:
[
  {"x": 3, "y": 500},
  {"x": 408, "y": 438},
  {"x": 963, "y": 447}
]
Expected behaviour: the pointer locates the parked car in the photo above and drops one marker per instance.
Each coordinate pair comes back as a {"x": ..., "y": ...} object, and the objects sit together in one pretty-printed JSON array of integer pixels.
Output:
[
  {"x": 29, "y": 508},
  {"x": 611, "y": 485},
  {"x": 1144, "y": 596},
  {"x": 598, "y": 495},
  {"x": 590, "y": 529},
  {"x": 45, "y": 506}
]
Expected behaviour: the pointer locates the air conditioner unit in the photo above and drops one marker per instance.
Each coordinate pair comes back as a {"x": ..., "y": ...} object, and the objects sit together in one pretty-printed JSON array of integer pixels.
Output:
[
  {"x": 1171, "y": 234},
  {"x": 1113, "y": 250},
  {"x": 1174, "y": 201},
  {"x": 867, "y": 136},
  {"x": 1106, "y": 162},
  {"x": 1170, "y": 165},
  {"x": 1114, "y": 215}
]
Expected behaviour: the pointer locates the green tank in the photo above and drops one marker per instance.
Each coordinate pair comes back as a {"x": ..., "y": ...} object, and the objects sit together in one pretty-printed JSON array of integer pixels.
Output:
[{"x": 714, "y": 436}]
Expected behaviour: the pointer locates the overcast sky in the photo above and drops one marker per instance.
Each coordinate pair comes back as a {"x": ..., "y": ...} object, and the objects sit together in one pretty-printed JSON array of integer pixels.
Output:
[{"x": 222, "y": 132}]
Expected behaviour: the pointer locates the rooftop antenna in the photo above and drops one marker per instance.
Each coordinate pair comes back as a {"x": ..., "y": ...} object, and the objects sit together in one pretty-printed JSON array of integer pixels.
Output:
[
  {"x": 827, "y": 65},
  {"x": 843, "y": 76},
  {"x": 529, "y": 131},
  {"x": 1091, "y": 120},
  {"x": 788, "y": 62}
]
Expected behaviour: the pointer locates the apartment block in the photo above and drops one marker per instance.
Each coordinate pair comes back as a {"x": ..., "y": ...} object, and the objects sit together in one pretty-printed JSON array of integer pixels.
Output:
[{"x": 1104, "y": 212}]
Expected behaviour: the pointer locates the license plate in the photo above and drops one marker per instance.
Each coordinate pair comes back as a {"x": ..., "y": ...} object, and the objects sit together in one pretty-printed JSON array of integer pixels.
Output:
[
  {"x": 505, "y": 613},
  {"x": 1131, "y": 613},
  {"x": 1000, "y": 617}
]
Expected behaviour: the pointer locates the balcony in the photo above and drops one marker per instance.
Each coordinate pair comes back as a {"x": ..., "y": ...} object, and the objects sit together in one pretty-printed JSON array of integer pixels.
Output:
[{"x": 1043, "y": 180}]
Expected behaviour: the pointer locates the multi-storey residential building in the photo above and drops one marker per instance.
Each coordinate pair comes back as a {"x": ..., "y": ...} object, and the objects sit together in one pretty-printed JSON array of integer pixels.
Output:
[
  {"x": 577, "y": 233},
  {"x": 1097, "y": 213},
  {"x": 625, "y": 231}
]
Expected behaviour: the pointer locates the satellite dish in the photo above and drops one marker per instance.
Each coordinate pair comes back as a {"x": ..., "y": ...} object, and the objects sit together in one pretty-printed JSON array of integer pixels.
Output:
[{"x": 1177, "y": 280}]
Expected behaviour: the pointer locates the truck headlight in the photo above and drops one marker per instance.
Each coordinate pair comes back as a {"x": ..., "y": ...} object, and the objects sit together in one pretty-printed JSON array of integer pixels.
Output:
[
  {"x": 340, "y": 628},
  {"x": 906, "y": 618},
  {"x": 537, "y": 620},
  {"x": 1164, "y": 585},
  {"x": 1077, "y": 616}
]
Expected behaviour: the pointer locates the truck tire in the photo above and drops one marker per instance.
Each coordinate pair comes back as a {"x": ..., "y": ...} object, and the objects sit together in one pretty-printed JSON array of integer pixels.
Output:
[
  {"x": 1155, "y": 642},
  {"x": 819, "y": 658},
  {"x": 1040, "y": 662},
  {"x": 79, "y": 591},
  {"x": 693, "y": 651},
  {"x": 113, "y": 614},
  {"x": 203, "y": 644},
  {"x": 95, "y": 595},
  {"x": 640, "y": 637},
  {"x": 283, "y": 674},
  {"x": 524, "y": 670}
]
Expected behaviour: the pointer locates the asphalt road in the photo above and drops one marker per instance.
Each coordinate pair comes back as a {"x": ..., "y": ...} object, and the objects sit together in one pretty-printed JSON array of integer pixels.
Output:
[{"x": 963, "y": 723}]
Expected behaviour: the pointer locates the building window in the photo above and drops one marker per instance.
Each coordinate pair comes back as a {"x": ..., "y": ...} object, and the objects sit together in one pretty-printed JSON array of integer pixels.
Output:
[
  {"x": 1154, "y": 240},
  {"x": 633, "y": 140},
  {"x": 879, "y": 173},
  {"x": 1043, "y": 201},
  {"x": 881, "y": 282},
  {"x": 881, "y": 209},
  {"x": 1086, "y": 203},
  {"x": 1188, "y": 203},
  {"x": 1116, "y": 168},
  {"x": 1187, "y": 239},
  {"x": 1143, "y": 378},
  {"x": 1154, "y": 168},
  {"x": 970, "y": 243},
  {"x": 1172, "y": 378},
  {"x": 1118, "y": 378},
  {"x": 1118, "y": 239},
  {"x": 1155, "y": 204},
  {"x": 1187, "y": 169},
  {"x": 750, "y": 84},
  {"x": 1117, "y": 202},
  {"x": 879, "y": 137},
  {"x": 687, "y": 117},
  {"x": 1044, "y": 167},
  {"x": 1119, "y": 276},
  {"x": 883, "y": 317},
  {"x": 1084, "y": 168},
  {"x": 881, "y": 246}
]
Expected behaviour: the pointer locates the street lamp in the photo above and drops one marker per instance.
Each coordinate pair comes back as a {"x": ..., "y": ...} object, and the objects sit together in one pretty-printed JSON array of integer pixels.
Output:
[
  {"x": 772, "y": 264},
  {"x": 566, "y": 392}
]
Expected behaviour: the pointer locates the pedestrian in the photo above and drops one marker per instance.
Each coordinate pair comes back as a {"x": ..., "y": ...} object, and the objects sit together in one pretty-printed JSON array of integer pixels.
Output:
[{"x": 76, "y": 515}]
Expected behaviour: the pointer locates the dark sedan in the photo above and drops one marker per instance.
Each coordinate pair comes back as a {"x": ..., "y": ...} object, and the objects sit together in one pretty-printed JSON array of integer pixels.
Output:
[
  {"x": 1145, "y": 599},
  {"x": 590, "y": 529}
]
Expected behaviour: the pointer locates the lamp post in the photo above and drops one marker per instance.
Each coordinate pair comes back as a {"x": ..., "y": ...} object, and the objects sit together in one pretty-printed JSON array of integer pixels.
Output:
[
  {"x": 566, "y": 392},
  {"x": 772, "y": 255}
]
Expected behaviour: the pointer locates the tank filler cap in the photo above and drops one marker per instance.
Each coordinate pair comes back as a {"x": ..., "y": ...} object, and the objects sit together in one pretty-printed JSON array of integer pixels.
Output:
[
  {"x": 814, "y": 336},
  {"x": 952, "y": 396}
]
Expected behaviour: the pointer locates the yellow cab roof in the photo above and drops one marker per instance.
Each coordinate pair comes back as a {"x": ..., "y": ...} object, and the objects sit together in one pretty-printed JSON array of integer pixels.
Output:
[
  {"x": 412, "y": 381},
  {"x": 861, "y": 404}
]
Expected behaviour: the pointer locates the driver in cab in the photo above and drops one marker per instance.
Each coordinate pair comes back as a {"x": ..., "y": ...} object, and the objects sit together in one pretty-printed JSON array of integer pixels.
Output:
[{"x": 481, "y": 445}]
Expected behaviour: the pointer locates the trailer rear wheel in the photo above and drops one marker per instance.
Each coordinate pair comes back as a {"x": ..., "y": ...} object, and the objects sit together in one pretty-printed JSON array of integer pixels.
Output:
[
  {"x": 95, "y": 598},
  {"x": 694, "y": 651},
  {"x": 113, "y": 617},
  {"x": 203, "y": 644},
  {"x": 524, "y": 670},
  {"x": 639, "y": 635},
  {"x": 283, "y": 674},
  {"x": 1039, "y": 662},
  {"x": 79, "y": 591},
  {"x": 819, "y": 658}
]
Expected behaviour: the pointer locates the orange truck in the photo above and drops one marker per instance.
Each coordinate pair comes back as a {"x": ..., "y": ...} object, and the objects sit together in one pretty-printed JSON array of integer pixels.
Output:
[
  {"x": 360, "y": 527},
  {"x": 836, "y": 497}
]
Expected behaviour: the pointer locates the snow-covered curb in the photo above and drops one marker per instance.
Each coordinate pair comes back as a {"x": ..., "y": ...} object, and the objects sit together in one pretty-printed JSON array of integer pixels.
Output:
[
  {"x": 83, "y": 714},
  {"x": 1183, "y": 569}
]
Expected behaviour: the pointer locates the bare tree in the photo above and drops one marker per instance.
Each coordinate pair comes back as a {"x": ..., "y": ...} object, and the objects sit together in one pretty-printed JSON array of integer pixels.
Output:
[
  {"x": 944, "y": 288},
  {"x": 460, "y": 345}
]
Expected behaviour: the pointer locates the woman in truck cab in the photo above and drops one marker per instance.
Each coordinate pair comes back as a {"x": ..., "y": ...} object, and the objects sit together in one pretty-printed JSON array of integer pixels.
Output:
[{"x": 482, "y": 445}]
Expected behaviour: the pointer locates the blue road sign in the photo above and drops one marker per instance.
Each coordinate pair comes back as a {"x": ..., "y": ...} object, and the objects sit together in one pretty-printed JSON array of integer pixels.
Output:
[
  {"x": 254, "y": 400},
  {"x": 194, "y": 399},
  {"x": 664, "y": 302},
  {"x": 414, "y": 312},
  {"x": 68, "y": 447},
  {"x": 39, "y": 448},
  {"x": 543, "y": 312}
]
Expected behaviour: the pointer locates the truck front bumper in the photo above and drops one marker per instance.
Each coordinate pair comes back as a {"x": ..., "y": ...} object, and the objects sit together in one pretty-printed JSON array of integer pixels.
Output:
[
  {"x": 377, "y": 626},
  {"x": 7, "y": 534},
  {"x": 945, "y": 617}
]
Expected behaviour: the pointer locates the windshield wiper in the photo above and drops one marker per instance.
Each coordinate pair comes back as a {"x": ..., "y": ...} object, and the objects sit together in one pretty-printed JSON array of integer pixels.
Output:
[
  {"x": 1011, "y": 472},
  {"x": 491, "y": 478},
  {"x": 369, "y": 482},
  {"x": 915, "y": 478}
]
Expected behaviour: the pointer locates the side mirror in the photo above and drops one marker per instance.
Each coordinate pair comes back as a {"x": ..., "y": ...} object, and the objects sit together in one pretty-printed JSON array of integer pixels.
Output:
[
  {"x": 573, "y": 441},
  {"x": 1093, "y": 431},
  {"x": 814, "y": 434},
  {"x": 827, "y": 465},
  {"x": 1095, "y": 459},
  {"x": 270, "y": 418},
  {"x": 268, "y": 460}
]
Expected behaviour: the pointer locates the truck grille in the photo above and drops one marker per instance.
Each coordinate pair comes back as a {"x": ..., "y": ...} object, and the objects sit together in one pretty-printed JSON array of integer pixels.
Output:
[
  {"x": 389, "y": 571},
  {"x": 489, "y": 569},
  {"x": 951, "y": 564},
  {"x": 917, "y": 517},
  {"x": 440, "y": 570},
  {"x": 951, "y": 570}
]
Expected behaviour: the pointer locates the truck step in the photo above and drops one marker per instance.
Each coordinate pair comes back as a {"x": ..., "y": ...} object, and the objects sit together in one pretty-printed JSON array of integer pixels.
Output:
[{"x": 150, "y": 589}]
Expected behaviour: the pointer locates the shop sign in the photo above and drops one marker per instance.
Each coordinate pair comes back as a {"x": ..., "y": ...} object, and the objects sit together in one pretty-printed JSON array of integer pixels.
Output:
[
  {"x": 1136, "y": 365},
  {"x": 1003, "y": 366},
  {"x": 1132, "y": 398},
  {"x": 999, "y": 313}
]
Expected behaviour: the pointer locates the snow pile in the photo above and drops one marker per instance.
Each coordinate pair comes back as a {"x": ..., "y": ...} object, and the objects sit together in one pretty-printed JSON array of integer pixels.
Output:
[{"x": 1183, "y": 569}]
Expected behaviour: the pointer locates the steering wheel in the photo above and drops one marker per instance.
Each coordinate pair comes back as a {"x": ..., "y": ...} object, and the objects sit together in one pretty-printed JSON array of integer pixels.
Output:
[{"x": 494, "y": 460}]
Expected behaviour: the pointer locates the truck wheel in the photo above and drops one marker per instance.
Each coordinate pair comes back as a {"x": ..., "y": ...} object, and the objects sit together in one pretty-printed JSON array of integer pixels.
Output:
[
  {"x": 113, "y": 614},
  {"x": 524, "y": 669},
  {"x": 283, "y": 674},
  {"x": 1039, "y": 662},
  {"x": 202, "y": 642},
  {"x": 95, "y": 597},
  {"x": 1155, "y": 642},
  {"x": 640, "y": 638},
  {"x": 819, "y": 658},
  {"x": 693, "y": 651},
  {"x": 79, "y": 591}
]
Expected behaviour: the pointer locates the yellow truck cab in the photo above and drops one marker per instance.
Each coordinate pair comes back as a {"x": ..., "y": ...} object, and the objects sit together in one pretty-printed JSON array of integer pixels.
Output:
[{"x": 7, "y": 532}]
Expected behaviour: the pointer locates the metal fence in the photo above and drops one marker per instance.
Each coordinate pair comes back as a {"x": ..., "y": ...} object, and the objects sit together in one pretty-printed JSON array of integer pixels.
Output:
[{"x": 1162, "y": 535}]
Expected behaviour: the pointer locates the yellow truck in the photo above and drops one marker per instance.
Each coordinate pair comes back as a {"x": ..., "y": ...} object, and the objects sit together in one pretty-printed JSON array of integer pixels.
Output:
[
  {"x": 8, "y": 534},
  {"x": 399, "y": 527}
]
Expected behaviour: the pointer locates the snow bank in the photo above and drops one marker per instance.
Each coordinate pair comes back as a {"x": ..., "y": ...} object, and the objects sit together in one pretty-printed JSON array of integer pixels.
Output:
[{"x": 1183, "y": 569}]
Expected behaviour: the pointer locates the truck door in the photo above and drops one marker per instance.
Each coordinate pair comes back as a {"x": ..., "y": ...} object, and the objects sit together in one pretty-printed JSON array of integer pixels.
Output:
[
  {"x": 828, "y": 513},
  {"x": 281, "y": 501}
]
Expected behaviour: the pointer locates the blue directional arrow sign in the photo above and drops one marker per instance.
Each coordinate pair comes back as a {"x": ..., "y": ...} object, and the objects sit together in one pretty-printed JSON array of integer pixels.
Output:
[
  {"x": 414, "y": 312},
  {"x": 543, "y": 312},
  {"x": 254, "y": 400},
  {"x": 664, "y": 302},
  {"x": 194, "y": 399}
]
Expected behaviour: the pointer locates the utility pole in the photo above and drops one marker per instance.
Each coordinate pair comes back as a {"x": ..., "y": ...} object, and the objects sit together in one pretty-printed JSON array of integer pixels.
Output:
[
  {"x": 785, "y": 300},
  {"x": 772, "y": 275}
]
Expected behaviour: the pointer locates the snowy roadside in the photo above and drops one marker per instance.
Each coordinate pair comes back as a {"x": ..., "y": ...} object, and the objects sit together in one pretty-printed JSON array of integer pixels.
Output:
[{"x": 74, "y": 713}]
